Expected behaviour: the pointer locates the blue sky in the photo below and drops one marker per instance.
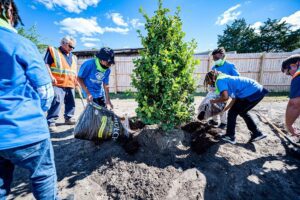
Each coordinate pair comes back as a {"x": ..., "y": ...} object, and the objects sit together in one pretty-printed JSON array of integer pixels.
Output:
[{"x": 113, "y": 23}]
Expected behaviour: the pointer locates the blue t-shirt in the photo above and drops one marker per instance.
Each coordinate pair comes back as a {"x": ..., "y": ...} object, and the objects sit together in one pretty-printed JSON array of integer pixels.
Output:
[
  {"x": 227, "y": 68},
  {"x": 295, "y": 88},
  {"x": 22, "y": 120},
  {"x": 94, "y": 79},
  {"x": 238, "y": 87}
]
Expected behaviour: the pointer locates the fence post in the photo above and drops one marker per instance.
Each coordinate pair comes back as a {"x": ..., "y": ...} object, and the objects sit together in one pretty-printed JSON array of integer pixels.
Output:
[
  {"x": 261, "y": 68},
  {"x": 116, "y": 80}
]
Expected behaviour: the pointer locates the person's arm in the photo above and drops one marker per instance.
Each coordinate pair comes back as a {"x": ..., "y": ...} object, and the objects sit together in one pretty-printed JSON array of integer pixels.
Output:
[
  {"x": 46, "y": 94},
  {"x": 83, "y": 73},
  {"x": 54, "y": 81},
  {"x": 229, "y": 105},
  {"x": 107, "y": 97},
  {"x": 292, "y": 113},
  {"x": 89, "y": 97},
  {"x": 234, "y": 71},
  {"x": 223, "y": 98},
  {"x": 35, "y": 71},
  {"x": 106, "y": 88}
]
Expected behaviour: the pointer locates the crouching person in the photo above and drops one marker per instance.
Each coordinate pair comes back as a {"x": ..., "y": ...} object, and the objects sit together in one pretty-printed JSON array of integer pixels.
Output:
[
  {"x": 25, "y": 94},
  {"x": 245, "y": 93},
  {"x": 93, "y": 77}
]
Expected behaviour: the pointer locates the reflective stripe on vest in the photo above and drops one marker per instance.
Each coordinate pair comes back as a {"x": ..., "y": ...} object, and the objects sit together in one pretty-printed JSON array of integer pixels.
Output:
[
  {"x": 61, "y": 70},
  {"x": 220, "y": 76}
]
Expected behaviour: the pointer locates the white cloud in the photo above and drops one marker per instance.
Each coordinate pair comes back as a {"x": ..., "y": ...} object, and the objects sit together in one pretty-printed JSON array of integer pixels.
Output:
[
  {"x": 75, "y": 6},
  {"x": 117, "y": 30},
  {"x": 136, "y": 23},
  {"x": 293, "y": 19},
  {"x": 88, "y": 39},
  {"x": 85, "y": 27},
  {"x": 89, "y": 45},
  {"x": 117, "y": 19},
  {"x": 229, "y": 15},
  {"x": 256, "y": 26}
]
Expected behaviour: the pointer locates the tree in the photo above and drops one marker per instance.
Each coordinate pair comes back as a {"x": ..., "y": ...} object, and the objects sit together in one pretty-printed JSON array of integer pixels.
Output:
[
  {"x": 238, "y": 37},
  {"x": 163, "y": 75},
  {"x": 276, "y": 36},
  {"x": 32, "y": 35},
  {"x": 272, "y": 36}
]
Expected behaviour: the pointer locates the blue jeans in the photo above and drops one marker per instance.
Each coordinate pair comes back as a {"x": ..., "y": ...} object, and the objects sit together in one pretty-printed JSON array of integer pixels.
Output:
[
  {"x": 38, "y": 158},
  {"x": 62, "y": 95}
]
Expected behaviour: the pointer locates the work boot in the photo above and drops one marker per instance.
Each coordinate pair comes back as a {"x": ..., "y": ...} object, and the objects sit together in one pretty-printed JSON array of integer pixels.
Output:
[{"x": 70, "y": 121}]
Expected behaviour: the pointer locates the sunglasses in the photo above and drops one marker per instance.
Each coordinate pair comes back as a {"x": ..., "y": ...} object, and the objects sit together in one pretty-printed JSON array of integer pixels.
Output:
[{"x": 71, "y": 46}]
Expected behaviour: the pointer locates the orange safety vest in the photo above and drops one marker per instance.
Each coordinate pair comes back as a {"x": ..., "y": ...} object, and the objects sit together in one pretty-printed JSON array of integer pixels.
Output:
[{"x": 61, "y": 70}]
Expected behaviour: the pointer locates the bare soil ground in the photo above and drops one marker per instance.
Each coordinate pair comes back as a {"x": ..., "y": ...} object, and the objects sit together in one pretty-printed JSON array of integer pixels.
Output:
[{"x": 165, "y": 167}]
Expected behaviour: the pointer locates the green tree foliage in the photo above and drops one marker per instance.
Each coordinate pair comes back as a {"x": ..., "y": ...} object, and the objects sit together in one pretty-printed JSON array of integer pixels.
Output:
[
  {"x": 33, "y": 35},
  {"x": 163, "y": 75},
  {"x": 238, "y": 37},
  {"x": 272, "y": 36}
]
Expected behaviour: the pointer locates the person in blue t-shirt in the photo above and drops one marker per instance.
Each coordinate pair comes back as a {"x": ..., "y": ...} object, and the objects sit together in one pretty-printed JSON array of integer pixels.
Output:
[
  {"x": 25, "y": 94},
  {"x": 245, "y": 93},
  {"x": 220, "y": 64},
  {"x": 93, "y": 77},
  {"x": 290, "y": 67}
]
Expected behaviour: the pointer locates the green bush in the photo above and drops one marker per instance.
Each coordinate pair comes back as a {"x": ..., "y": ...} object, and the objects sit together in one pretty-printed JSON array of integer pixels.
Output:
[{"x": 163, "y": 75}]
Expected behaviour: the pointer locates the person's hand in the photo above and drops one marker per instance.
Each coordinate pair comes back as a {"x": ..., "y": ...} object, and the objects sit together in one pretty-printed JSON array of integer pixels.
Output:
[
  {"x": 212, "y": 101},
  {"x": 89, "y": 98},
  {"x": 54, "y": 81},
  {"x": 109, "y": 104},
  {"x": 292, "y": 130}
]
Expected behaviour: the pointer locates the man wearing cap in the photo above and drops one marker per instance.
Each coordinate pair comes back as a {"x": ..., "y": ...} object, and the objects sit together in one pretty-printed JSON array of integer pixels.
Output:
[
  {"x": 93, "y": 77},
  {"x": 62, "y": 67},
  {"x": 290, "y": 67}
]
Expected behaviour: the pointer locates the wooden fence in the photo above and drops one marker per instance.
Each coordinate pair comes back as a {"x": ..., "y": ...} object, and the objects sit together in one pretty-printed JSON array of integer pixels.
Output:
[{"x": 263, "y": 67}]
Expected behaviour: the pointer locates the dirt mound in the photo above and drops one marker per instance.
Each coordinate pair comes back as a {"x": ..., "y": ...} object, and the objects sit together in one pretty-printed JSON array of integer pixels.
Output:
[
  {"x": 203, "y": 136},
  {"x": 136, "y": 124},
  {"x": 167, "y": 167}
]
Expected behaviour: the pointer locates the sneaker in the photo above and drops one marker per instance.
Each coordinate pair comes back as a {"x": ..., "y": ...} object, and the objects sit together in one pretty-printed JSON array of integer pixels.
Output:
[
  {"x": 256, "y": 137},
  {"x": 52, "y": 127},
  {"x": 212, "y": 122},
  {"x": 229, "y": 139},
  {"x": 70, "y": 121},
  {"x": 222, "y": 126}
]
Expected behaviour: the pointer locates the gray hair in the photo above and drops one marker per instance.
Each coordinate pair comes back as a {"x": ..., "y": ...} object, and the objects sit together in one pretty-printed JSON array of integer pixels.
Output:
[{"x": 67, "y": 39}]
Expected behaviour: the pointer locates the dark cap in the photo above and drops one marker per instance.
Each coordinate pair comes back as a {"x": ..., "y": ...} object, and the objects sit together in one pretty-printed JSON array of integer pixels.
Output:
[
  {"x": 290, "y": 60},
  {"x": 106, "y": 54}
]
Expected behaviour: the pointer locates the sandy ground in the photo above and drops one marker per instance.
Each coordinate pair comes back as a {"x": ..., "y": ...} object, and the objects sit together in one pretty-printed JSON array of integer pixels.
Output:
[{"x": 168, "y": 169}]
